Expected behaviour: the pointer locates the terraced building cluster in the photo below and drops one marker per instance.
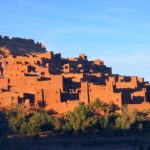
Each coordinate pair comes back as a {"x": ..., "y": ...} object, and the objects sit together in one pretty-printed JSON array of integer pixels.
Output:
[{"x": 30, "y": 75}]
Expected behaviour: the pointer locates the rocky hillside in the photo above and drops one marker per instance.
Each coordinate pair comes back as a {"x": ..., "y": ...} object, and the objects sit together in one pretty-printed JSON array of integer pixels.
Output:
[{"x": 19, "y": 46}]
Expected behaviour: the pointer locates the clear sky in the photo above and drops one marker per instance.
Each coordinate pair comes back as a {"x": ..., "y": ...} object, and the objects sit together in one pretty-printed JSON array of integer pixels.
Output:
[{"x": 116, "y": 31}]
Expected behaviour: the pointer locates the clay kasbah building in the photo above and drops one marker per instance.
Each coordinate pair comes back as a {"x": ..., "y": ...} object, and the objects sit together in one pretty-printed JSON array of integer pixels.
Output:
[{"x": 30, "y": 75}]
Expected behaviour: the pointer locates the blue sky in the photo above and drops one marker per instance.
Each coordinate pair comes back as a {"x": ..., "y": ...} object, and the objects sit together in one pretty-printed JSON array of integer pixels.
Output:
[{"x": 116, "y": 31}]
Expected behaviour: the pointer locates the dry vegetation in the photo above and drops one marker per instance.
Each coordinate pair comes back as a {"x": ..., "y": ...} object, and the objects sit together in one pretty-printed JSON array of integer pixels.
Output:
[{"x": 97, "y": 119}]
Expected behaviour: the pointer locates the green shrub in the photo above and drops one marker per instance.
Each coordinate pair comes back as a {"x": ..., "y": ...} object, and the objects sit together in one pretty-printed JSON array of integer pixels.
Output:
[
  {"x": 40, "y": 121},
  {"x": 107, "y": 121},
  {"x": 57, "y": 123},
  {"x": 16, "y": 116},
  {"x": 81, "y": 119},
  {"x": 23, "y": 128},
  {"x": 123, "y": 120}
]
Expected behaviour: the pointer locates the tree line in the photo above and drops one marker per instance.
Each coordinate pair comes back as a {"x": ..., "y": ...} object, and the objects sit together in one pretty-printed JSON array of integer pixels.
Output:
[{"x": 96, "y": 117}]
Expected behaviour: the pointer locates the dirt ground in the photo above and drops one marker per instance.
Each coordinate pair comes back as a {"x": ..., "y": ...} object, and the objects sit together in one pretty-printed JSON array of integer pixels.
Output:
[{"x": 77, "y": 143}]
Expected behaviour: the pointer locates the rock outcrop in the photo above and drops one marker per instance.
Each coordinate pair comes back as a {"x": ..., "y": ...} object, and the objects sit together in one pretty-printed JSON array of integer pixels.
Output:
[{"x": 19, "y": 46}]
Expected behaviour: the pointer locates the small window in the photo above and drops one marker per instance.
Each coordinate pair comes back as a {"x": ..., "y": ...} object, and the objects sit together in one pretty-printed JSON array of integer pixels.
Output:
[{"x": 66, "y": 67}]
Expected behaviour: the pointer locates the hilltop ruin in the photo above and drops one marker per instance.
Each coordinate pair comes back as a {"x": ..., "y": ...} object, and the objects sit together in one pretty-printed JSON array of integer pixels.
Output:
[{"x": 30, "y": 75}]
